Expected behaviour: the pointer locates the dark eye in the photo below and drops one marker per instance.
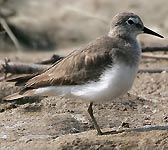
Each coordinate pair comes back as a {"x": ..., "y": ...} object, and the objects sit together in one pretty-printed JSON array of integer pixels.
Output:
[{"x": 130, "y": 21}]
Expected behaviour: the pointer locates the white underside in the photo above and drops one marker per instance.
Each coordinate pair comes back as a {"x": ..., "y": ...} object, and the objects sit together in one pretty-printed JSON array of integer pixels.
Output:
[{"x": 115, "y": 81}]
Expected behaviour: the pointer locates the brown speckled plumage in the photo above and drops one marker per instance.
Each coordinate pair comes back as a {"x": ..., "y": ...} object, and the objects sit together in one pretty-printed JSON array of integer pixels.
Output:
[
  {"x": 101, "y": 71},
  {"x": 86, "y": 64}
]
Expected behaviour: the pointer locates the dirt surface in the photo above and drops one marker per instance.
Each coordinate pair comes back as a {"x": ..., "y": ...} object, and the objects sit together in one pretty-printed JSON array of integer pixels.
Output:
[
  {"x": 63, "y": 124},
  {"x": 59, "y": 123}
]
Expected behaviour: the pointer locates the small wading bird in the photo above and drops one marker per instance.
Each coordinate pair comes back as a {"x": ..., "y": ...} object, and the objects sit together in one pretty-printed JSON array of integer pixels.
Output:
[{"x": 99, "y": 72}]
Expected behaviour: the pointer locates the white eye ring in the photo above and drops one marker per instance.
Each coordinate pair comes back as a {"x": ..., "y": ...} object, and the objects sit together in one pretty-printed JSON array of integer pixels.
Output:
[{"x": 131, "y": 21}]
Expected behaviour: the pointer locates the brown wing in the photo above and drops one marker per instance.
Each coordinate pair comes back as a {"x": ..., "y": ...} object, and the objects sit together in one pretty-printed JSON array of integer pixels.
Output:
[
  {"x": 20, "y": 80},
  {"x": 79, "y": 67}
]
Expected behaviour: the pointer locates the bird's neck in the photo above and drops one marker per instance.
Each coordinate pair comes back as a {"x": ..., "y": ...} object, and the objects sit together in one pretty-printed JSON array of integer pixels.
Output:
[
  {"x": 128, "y": 48},
  {"x": 122, "y": 33}
]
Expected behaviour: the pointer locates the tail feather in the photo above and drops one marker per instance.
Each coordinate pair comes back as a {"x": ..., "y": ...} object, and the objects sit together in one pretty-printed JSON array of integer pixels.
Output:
[
  {"x": 18, "y": 95},
  {"x": 21, "y": 80},
  {"x": 13, "y": 96}
]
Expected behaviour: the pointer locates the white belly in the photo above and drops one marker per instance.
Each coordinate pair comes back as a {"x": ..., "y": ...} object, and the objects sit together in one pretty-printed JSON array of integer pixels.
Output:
[{"x": 114, "y": 82}]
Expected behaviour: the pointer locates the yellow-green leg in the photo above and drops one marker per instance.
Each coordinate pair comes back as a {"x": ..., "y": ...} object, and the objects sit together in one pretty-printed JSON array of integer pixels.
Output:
[{"x": 90, "y": 111}]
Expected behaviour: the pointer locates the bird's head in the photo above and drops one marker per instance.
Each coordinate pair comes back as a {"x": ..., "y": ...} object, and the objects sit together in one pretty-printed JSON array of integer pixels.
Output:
[{"x": 130, "y": 25}]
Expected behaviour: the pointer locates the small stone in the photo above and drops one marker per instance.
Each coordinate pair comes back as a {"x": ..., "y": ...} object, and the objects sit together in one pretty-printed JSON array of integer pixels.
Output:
[
  {"x": 165, "y": 117},
  {"x": 125, "y": 125}
]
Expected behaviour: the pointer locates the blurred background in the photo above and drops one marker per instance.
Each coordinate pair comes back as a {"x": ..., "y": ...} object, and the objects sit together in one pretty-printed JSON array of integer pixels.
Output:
[{"x": 53, "y": 24}]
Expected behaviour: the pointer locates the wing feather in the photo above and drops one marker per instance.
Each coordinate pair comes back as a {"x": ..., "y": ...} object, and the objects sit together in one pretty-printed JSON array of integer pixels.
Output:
[{"x": 79, "y": 67}]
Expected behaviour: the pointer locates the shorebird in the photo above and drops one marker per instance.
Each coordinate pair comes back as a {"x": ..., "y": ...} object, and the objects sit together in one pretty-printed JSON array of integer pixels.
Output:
[{"x": 98, "y": 72}]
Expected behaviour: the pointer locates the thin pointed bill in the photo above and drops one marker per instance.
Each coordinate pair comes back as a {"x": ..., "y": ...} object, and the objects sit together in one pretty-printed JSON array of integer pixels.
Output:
[{"x": 148, "y": 31}]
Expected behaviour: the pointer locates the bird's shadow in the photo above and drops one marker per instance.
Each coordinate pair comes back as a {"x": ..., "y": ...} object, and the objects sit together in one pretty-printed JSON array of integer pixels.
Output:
[
  {"x": 144, "y": 129},
  {"x": 33, "y": 104}
]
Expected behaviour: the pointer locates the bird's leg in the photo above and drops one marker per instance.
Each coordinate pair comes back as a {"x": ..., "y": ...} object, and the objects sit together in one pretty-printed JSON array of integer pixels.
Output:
[{"x": 90, "y": 111}]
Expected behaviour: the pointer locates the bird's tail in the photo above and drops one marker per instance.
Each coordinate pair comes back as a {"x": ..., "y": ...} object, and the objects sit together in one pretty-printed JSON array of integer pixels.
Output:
[{"x": 18, "y": 95}]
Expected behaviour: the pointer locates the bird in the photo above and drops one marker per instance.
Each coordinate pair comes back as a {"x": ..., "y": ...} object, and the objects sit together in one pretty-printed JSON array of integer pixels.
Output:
[{"x": 98, "y": 72}]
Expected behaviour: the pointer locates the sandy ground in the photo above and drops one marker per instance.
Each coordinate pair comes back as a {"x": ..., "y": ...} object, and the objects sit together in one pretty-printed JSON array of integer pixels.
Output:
[
  {"x": 63, "y": 124},
  {"x": 59, "y": 123}
]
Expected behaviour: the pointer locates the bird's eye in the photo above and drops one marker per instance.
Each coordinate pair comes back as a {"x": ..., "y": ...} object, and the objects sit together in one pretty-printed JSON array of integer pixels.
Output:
[{"x": 130, "y": 21}]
